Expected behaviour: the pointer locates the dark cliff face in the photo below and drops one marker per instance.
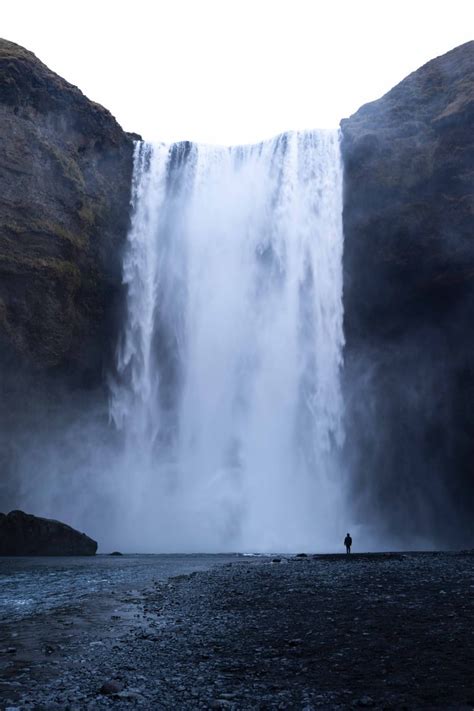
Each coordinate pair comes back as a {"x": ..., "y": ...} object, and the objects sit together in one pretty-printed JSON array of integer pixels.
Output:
[
  {"x": 409, "y": 302},
  {"x": 65, "y": 172},
  {"x": 65, "y": 175}
]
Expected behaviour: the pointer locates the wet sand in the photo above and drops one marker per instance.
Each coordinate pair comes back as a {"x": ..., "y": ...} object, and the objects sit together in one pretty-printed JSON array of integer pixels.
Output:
[{"x": 385, "y": 631}]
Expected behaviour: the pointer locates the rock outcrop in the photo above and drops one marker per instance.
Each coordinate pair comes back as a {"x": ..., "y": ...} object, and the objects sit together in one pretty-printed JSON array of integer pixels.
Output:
[
  {"x": 24, "y": 534},
  {"x": 65, "y": 172},
  {"x": 409, "y": 300}
]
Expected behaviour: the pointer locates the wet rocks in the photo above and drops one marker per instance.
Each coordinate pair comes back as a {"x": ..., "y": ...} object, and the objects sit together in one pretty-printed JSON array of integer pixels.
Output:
[
  {"x": 25, "y": 534},
  {"x": 323, "y": 634}
]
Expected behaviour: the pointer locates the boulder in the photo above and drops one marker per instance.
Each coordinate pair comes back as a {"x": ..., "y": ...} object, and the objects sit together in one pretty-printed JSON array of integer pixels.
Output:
[
  {"x": 110, "y": 688},
  {"x": 25, "y": 534}
]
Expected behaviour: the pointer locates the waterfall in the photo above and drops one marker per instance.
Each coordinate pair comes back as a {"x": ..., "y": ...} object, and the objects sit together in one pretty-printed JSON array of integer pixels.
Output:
[{"x": 227, "y": 394}]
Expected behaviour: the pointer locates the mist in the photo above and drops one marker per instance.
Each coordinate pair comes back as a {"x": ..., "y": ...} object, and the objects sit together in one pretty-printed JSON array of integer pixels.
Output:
[{"x": 224, "y": 424}]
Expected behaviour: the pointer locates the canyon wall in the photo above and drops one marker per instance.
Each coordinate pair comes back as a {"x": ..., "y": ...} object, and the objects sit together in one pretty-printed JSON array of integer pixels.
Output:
[
  {"x": 409, "y": 300},
  {"x": 65, "y": 173}
]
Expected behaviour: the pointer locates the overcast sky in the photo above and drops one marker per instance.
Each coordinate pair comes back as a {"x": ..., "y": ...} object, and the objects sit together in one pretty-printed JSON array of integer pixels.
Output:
[{"x": 234, "y": 71}]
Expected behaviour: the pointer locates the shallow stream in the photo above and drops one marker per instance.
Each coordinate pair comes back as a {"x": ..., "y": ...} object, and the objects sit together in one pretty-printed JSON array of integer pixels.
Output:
[{"x": 38, "y": 585}]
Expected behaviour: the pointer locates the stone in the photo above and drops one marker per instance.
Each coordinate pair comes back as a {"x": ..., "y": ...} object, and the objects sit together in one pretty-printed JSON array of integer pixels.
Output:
[
  {"x": 130, "y": 694},
  {"x": 25, "y": 534},
  {"x": 109, "y": 688},
  {"x": 221, "y": 704}
]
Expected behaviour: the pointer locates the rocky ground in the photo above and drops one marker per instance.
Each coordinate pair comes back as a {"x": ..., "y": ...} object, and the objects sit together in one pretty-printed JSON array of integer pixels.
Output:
[{"x": 388, "y": 631}]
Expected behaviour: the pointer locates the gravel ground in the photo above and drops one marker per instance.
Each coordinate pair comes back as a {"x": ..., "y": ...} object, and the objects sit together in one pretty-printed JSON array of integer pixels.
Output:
[{"x": 384, "y": 631}]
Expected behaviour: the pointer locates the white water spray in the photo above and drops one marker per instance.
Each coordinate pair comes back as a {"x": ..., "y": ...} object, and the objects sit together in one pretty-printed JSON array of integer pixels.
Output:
[{"x": 228, "y": 390}]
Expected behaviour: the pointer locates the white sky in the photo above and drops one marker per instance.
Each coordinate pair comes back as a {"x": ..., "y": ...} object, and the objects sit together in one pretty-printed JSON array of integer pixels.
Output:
[{"x": 234, "y": 71}]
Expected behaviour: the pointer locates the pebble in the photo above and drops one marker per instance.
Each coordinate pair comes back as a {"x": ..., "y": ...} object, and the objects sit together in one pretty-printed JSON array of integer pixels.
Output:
[
  {"x": 110, "y": 687},
  {"x": 323, "y": 634}
]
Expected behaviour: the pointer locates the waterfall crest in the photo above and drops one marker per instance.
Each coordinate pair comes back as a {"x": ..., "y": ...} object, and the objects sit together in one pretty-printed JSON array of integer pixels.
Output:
[{"x": 228, "y": 390}]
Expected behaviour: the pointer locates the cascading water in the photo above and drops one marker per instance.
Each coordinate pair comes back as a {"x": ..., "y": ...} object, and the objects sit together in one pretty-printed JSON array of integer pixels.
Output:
[{"x": 228, "y": 388}]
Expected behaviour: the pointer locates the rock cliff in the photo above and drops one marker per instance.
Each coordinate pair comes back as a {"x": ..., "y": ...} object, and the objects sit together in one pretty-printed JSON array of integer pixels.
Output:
[
  {"x": 24, "y": 534},
  {"x": 65, "y": 170},
  {"x": 65, "y": 173},
  {"x": 409, "y": 300}
]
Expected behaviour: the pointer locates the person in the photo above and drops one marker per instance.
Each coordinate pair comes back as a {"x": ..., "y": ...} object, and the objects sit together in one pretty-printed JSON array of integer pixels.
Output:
[{"x": 348, "y": 543}]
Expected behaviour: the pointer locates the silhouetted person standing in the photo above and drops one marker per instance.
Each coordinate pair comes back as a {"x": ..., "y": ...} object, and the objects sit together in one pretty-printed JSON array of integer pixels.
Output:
[{"x": 348, "y": 543}]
